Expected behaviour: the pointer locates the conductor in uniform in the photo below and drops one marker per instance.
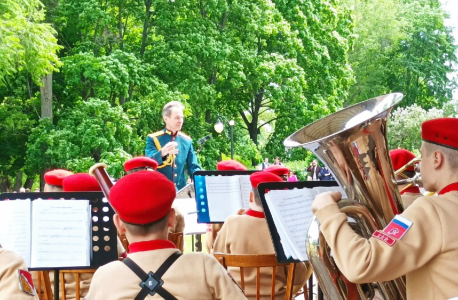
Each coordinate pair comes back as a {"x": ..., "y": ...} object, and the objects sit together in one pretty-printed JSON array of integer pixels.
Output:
[
  {"x": 422, "y": 242},
  {"x": 171, "y": 148},
  {"x": 143, "y": 205}
]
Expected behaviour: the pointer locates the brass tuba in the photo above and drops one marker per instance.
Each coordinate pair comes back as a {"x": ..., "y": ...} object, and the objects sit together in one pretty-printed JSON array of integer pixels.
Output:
[{"x": 353, "y": 144}]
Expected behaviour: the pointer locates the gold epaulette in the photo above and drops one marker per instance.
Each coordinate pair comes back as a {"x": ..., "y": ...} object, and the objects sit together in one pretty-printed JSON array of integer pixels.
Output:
[
  {"x": 184, "y": 135},
  {"x": 157, "y": 133}
]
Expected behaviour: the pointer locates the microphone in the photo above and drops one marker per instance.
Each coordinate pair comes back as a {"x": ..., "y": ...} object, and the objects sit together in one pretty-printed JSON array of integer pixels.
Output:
[{"x": 204, "y": 139}]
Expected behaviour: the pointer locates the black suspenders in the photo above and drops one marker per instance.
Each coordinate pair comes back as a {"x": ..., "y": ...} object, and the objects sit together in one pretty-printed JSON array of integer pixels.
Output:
[{"x": 151, "y": 283}]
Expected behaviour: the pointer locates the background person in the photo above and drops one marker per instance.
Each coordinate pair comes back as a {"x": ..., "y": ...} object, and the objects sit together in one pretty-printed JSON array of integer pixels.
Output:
[{"x": 314, "y": 170}]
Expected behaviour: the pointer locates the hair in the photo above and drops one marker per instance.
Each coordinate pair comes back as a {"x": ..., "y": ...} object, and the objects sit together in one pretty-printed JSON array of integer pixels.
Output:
[
  {"x": 277, "y": 158},
  {"x": 256, "y": 198},
  {"x": 167, "y": 110},
  {"x": 146, "y": 229},
  {"x": 451, "y": 155}
]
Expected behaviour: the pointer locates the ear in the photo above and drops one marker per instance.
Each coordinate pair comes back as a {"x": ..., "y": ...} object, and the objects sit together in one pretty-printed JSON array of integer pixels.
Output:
[
  {"x": 171, "y": 220},
  {"x": 438, "y": 159},
  {"x": 119, "y": 224},
  {"x": 251, "y": 197}
]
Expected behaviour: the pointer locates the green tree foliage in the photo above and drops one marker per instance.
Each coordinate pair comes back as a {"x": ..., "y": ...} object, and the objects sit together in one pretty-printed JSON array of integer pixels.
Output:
[
  {"x": 401, "y": 46},
  {"x": 93, "y": 131},
  {"x": 404, "y": 126},
  {"x": 25, "y": 42}
]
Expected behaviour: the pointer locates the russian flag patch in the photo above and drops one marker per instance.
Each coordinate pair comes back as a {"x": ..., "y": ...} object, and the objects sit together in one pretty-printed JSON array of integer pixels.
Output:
[{"x": 398, "y": 227}]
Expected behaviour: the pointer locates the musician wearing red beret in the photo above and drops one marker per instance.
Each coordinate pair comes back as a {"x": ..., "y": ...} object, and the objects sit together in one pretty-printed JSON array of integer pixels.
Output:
[
  {"x": 249, "y": 234},
  {"x": 142, "y": 163},
  {"x": 278, "y": 170},
  {"x": 422, "y": 242},
  {"x": 54, "y": 178},
  {"x": 409, "y": 192},
  {"x": 143, "y": 204}
]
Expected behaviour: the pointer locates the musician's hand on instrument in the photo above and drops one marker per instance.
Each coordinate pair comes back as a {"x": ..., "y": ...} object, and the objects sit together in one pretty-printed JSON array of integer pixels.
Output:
[
  {"x": 169, "y": 148},
  {"x": 324, "y": 199}
]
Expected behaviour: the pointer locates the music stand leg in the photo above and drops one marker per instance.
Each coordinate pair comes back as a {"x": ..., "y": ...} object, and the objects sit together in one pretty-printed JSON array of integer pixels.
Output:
[
  {"x": 320, "y": 293},
  {"x": 311, "y": 287},
  {"x": 56, "y": 284},
  {"x": 198, "y": 243},
  {"x": 192, "y": 242}
]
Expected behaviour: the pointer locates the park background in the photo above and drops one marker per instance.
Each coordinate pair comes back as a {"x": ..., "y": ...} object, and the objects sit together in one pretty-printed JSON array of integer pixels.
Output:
[{"x": 84, "y": 81}]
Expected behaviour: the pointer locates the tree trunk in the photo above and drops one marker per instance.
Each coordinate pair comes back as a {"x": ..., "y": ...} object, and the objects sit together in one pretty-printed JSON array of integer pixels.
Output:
[
  {"x": 145, "y": 26},
  {"x": 18, "y": 181},
  {"x": 46, "y": 97},
  {"x": 4, "y": 183},
  {"x": 29, "y": 182}
]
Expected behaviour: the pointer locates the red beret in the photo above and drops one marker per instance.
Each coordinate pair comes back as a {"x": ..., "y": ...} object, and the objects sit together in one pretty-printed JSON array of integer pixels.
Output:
[
  {"x": 140, "y": 162},
  {"x": 142, "y": 197},
  {"x": 258, "y": 177},
  {"x": 400, "y": 157},
  {"x": 56, "y": 176},
  {"x": 441, "y": 132},
  {"x": 230, "y": 165},
  {"x": 81, "y": 182},
  {"x": 277, "y": 170}
]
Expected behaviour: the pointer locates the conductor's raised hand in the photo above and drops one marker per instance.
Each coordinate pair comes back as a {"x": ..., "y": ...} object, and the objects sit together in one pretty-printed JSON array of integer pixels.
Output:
[
  {"x": 324, "y": 199},
  {"x": 169, "y": 148}
]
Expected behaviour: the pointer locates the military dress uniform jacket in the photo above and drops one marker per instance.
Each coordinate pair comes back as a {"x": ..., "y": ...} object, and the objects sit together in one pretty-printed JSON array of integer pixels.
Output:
[
  {"x": 249, "y": 234},
  {"x": 427, "y": 253},
  {"x": 172, "y": 166},
  {"x": 193, "y": 276},
  {"x": 10, "y": 263}
]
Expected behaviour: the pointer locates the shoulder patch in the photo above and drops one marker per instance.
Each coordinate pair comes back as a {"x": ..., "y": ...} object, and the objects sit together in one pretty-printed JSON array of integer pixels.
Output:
[
  {"x": 184, "y": 135},
  {"x": 25, "y": 282},
  {"x": 157, "y": 133},
  {"x": 380, "y": 235}
]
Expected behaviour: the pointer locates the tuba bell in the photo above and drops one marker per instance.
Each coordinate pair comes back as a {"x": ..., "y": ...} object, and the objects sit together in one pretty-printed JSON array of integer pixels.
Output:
[{"x": 353, "y": 144}]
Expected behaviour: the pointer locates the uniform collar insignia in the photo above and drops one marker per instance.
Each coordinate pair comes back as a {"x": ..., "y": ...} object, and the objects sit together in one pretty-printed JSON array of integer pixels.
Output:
[
  {"x": 151, "y": 245},
  {"x": 256, "y": 214},
  {"x": 449, "y": 188},
  {"x": 169, "y": 132}
]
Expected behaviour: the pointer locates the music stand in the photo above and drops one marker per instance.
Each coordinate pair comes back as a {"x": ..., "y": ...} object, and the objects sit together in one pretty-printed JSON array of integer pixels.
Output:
[
  {"x": 201, "y": 191},
  {"x": 104, "y": 248},
  {"x": 263, "y": 188}
]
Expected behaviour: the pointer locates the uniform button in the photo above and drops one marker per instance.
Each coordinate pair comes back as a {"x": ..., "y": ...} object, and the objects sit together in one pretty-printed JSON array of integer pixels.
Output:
[
  {"x": 175, "y": 184},
  {"x": 176, "y": 175},
  {"x": 174, "y": 166}
]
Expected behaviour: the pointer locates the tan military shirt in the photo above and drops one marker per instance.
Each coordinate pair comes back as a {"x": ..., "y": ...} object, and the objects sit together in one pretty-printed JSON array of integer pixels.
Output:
[
  {"x": 210, "y": 235},
  {"x": 179, "y": 221},
  {"x": 409, "y": 195},
  {"x": 427, "y": 253},
  {"x": 193, "y": 276},
  {"x": 10, "y": 263},
  {"x": 249, "y": 234}
]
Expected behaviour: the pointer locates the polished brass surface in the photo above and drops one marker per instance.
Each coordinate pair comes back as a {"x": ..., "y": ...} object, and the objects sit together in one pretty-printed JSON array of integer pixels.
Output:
[{"x": 353, "y": 144}]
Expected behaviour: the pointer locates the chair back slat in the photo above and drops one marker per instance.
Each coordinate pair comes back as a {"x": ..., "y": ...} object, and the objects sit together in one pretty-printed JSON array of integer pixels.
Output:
[
  {"x": 177, "y": 239},
  {"x": 274, "y": 275},
  {"x": 258, "y": 262},
  {"x": 62, "y": 286},
  {"x": 77, "y": 292}
]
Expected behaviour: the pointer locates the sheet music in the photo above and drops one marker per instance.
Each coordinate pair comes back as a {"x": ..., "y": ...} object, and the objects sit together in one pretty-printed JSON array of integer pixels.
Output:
[
  {"x": 245, "y": 188},
  {"x": 223, "y": 196},
  {"x": 291, "y": 210},
  {"x": 15, "y": 227},
  {"x": 322, "y": 189},
  {"x": 61, "y": 233}
]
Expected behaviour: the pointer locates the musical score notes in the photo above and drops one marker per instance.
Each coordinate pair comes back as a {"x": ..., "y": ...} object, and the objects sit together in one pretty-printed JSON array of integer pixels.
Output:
[
  {"x": 52, "y": 233},
  {"x": 291, "y": 212}
]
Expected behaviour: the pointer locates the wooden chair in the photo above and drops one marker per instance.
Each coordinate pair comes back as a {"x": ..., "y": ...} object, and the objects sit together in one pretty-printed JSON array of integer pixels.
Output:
[
  {"x": 177, "y": 239},
  {"x": 77, "y": 274},
  {"x": 258, "y": 261},
  {"x": 124, "y": 241},
  {"x": 44, "y": 290}
]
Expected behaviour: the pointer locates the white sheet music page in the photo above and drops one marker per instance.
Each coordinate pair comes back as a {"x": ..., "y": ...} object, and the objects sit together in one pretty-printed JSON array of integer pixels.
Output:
[
  {"x": 60, "y": 234},
  {"x": 223, "y": 196},
  {"x": 322, "y": 189},
  {"x": 15, "y": 227},
  {"x": 293, "y": 208},
  {"x": 245, "y": 188}
]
